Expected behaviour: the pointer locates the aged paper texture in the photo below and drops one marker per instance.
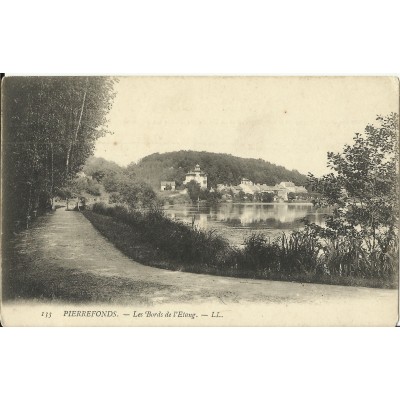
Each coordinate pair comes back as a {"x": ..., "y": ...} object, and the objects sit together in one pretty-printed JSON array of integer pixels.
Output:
[{"x": 200, "y": 201}]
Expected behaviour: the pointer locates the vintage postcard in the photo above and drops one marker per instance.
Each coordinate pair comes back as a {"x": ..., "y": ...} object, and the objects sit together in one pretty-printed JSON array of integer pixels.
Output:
[{"x": 200, "y": 201}]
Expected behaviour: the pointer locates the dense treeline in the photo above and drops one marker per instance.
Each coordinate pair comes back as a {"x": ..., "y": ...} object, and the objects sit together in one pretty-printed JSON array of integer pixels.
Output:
[
  {"x": 220, "y": 168},
  {"x": 121, "y": 186},
  {"x": 50, "y": 125},
  {"x": 103, "y": 171}
]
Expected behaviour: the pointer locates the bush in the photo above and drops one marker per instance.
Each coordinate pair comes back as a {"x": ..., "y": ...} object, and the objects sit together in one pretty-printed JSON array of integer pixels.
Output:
[
  {"x": 349, "y": 257},
  {"x": 299, "y": 253},
  {"x": 258, "y": 254},
  {"x": 176, "y": 240},
  {"x": 93, "y": 188}
]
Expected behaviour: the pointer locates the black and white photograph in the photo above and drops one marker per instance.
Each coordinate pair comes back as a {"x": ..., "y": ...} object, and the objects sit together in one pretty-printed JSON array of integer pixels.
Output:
[{"x": 200, "y": 201}]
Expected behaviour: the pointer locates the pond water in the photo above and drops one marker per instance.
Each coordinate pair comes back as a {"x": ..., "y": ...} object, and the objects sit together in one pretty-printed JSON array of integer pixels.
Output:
[{"x": 235, "y": 221}]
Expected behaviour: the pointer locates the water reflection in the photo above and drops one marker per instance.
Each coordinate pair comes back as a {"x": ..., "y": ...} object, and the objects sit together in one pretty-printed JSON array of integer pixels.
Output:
[{"x": 256, "y": 216}]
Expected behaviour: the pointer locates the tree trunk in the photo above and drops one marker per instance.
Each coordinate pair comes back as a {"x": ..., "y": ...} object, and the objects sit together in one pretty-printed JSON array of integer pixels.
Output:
[
  {"x": 28, "y": 214},
  {"x": 67, "y": 161},
  {"x": 77, "y": 127},
  {"x": 52, "y": 177}
]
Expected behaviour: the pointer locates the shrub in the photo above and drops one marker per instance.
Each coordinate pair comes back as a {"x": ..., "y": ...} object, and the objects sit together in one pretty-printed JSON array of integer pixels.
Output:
[
  {"x": 258, "y": 254},
  {"x": 298, "y": 253},
  {"x": 175, "y": 239}
]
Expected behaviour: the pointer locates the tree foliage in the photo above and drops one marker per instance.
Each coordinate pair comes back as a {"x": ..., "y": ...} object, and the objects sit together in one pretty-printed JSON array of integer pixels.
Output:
[
  {"x": 220, "y": 168},
  {"x": 137, "y": 194},
  {"x": 266, "y": 197},
  {"x": 120, "y": 183},
  {"x": 80, "y": 186},
  {"x": 50, "y": 126},
  {"x": 194, "y": 190},
  {"x": 363, "y": 188},
  {"x": 100, "y": 169}
]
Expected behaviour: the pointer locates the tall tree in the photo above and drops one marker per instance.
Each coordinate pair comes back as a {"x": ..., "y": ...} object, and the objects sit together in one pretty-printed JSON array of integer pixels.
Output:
[
  {"x": 363, "y": 188},
  {"x": 50, "y": 125}
]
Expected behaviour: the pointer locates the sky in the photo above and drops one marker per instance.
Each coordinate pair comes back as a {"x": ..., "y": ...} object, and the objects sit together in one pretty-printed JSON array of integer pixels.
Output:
[{"x": 291, "y": 122}]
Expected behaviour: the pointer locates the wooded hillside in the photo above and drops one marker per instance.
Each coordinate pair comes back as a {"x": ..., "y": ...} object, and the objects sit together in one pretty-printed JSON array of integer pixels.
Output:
[{"x": 220, "y": 168}]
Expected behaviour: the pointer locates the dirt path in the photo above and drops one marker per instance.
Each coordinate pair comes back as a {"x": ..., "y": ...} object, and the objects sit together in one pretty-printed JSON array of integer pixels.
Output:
[{"x": 66, "y": 241}]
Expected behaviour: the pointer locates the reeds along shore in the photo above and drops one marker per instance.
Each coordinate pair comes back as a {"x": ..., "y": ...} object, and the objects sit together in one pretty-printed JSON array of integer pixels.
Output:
[{"x": 151, "y": 237}]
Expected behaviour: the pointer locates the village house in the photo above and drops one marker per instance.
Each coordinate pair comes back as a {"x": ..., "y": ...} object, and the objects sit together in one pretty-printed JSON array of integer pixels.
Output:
[
  {"x": 280, "y": 190},
  {"x": 246, "y": 182},
  {"x": 268, "y": 189},
  {"x": 167, "y": 185},
  {"x": 248, "y": 186},
  {"x": 198, "y": 176}
]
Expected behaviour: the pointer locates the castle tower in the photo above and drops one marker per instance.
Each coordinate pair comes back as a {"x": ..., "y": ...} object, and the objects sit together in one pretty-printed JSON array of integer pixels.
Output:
[{"x": 198, "y": 176}]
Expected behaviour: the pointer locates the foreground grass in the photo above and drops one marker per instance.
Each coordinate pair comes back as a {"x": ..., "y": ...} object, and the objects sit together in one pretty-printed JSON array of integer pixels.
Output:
[
  {"x": 154, "y": 240},
  {"x": 27, "y": 276},
  {"x": 133, "y": 244},
  {"x": 68, "y": 285}
]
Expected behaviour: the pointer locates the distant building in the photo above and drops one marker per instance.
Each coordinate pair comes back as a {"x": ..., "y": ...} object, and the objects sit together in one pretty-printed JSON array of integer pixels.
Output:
[
  {"x": 198, "y": 176},
  {"x": 280, "y": 190},
  {"x": 246, "y": 182},
  {"x": 167, "y": 185},
  {"x": 284, "y": 188},
  {"x": 249, "y": 187},
  {"x": 287, "y": 185},
  {"x": 266, "y": 188}
]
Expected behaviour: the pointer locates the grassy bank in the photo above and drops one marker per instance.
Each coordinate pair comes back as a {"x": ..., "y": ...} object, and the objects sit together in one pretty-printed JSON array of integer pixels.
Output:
[
  {"x": 154, "y": 239},
  {"x": 29, "y": 273},
  {"x": 27, "y": 280}
]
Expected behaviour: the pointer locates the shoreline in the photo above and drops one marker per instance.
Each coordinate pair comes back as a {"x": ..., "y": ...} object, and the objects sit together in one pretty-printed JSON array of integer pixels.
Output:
[
  {"x": 134, "y": 246},
  {"x": 204, "y": 203}
]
